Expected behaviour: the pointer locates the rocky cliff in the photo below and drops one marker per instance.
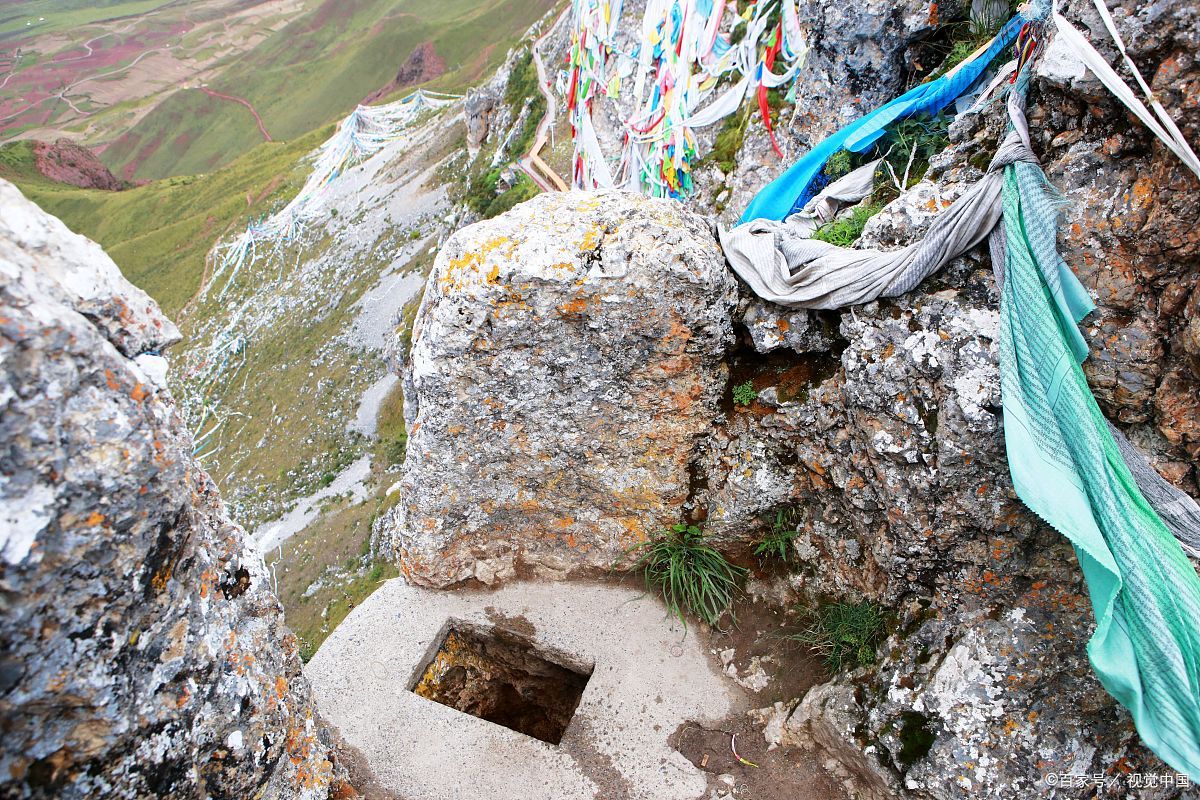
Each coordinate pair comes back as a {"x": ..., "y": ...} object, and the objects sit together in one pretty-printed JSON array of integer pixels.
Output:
[
  {"x": 143, "y": 652},
  {"x": 878, "y": 429}
]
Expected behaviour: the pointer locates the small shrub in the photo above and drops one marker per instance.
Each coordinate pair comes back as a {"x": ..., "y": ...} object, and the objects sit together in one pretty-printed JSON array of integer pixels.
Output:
[
  {"x": 845, "y": 634},
  {"x": 778, "y": 542},
  {"x": 523, "y": 189},
  {"x": 845, "y": 230},
  {"x": 692, "y": 576},
  {"x": 744, "y": 394},
  {"x": 481, "y": 191},
  {"x": 521, "y": 143},
  {"x": 909, "y": 145},
  {"x": 522, "y": 80},
  {"x": 838, "y": 165}
]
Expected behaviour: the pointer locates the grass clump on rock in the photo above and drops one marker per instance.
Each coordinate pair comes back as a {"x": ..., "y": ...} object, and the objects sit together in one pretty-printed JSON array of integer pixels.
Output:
[
  {"x": 777, "y": 543},
  {"x": 845, "y": 634},
  {"x": 693, "y": 577},
  {"x": 845, "y": 230}
]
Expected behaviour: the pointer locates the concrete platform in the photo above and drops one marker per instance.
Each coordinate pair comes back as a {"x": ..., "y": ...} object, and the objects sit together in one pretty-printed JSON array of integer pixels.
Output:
[{"x": 649, "y": 677}]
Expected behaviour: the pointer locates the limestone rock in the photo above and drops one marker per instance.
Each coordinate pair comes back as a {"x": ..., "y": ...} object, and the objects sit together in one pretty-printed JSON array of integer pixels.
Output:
[
  {"x": 479, "y": 109},
  {"x": 565, "y": 360},
  {"x": 1132, "y": 226},
  {"x": 893, "y": 462},
  {"x": 827, "y": 718},
  {"x": 75, "y": 272},
  {"x": 143, "y": 653},
  {"x": 772, "y": 327}
]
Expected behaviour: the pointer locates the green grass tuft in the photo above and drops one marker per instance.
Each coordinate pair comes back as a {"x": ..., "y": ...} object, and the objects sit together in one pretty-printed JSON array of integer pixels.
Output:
[
  {"x": 845, "y": 230},
  {"x": 845, "y": 634},
  {"x": 778, "y": 542},
  {"x": 693, "y": 577}
]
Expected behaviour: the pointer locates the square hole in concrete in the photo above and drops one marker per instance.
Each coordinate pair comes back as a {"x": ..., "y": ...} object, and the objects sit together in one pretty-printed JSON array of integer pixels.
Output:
[{"x": 502, "y": 677}]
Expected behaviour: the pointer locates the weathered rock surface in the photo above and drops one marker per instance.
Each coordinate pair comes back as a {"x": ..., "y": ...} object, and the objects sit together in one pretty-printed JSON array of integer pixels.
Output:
[
  {"x": 895, "y": 463},
  {"x": 566, "y": 359},
  {"x": 1132, "y": 230},
  {"x": 142, "y": 653},
  {"x": 861, "y": 56}
]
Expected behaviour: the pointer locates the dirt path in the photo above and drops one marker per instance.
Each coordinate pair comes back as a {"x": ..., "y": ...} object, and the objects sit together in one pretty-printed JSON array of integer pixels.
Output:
[
  {"x": 61, "y": 95},
  {"x": 531, "y": 162},
  {"x": 243, "y": 101}
]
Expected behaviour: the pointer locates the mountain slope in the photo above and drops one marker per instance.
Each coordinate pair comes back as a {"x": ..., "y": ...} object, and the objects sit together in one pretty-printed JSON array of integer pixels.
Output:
[
  {"x": 160, "y": 233},
  {"x": 318, "y": 67}
]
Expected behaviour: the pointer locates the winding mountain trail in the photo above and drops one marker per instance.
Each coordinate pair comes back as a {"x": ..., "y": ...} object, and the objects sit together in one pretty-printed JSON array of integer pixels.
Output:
[
  {"x": 531, "y": 163},
  {"x": 61, "y": 94},
  {"x": 243, "y": 101}
]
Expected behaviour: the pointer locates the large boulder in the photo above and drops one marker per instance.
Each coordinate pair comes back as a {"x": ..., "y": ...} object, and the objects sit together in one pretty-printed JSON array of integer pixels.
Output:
[
  {"x": 142, "y": 653},
  {"x": 566, "y": 360}
]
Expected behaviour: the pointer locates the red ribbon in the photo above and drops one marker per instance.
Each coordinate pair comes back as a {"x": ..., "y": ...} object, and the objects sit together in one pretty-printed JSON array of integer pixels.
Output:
[{"x": 769, "y": 62}]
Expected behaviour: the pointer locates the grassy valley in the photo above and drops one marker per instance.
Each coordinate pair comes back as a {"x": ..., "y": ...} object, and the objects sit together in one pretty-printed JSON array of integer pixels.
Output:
[
  {"x": 160, "y": 233},
  {"x": 168, "y": 89}
]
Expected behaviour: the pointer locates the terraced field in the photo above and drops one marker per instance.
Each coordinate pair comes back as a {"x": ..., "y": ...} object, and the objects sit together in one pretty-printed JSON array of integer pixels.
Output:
[{"x": 151, "y": 85}]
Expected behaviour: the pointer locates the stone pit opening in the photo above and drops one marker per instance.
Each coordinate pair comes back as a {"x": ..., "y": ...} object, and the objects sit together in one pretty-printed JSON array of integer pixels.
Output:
[{"x": 503, "y": 677}]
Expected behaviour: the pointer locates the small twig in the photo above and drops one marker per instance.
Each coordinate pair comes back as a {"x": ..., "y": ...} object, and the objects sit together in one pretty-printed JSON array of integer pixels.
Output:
[
  {"x": 892, "y": 172},
  {"x": 911, "y": 157}
]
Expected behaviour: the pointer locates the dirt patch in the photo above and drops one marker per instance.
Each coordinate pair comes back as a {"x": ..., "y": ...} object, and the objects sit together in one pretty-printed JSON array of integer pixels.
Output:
[
  {"x": 759, "y": 643},
  {"x": 422, "y": 65},
  {"x": 760, "y": 774},
  {"x": 500, "y": 676},
  {"x": 75, "y": 165},
  {"x": 770, "y": 668}
]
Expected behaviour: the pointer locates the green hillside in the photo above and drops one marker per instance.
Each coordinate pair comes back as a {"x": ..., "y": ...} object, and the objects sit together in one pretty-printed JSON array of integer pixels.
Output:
[
  {"x": 160, "y": 233},
  {"x": 317, "y": 69},
  {"x": 47, "y": 16}
]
